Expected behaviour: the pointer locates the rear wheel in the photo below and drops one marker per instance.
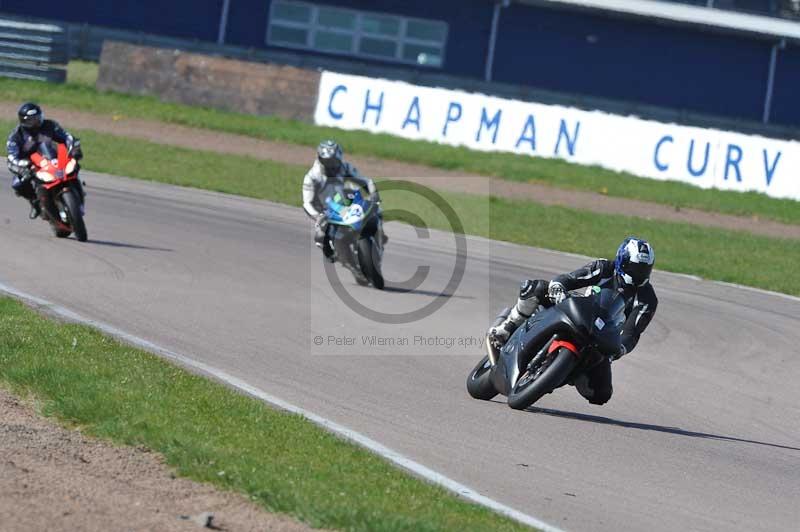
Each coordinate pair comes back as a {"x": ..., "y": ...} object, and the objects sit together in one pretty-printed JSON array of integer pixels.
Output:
[
  {"x": 369, "y": 260},
  {"x": 536, "y": 382},
  {"x": 479, "y": 384},
  {"x": 73, "y": 207}
]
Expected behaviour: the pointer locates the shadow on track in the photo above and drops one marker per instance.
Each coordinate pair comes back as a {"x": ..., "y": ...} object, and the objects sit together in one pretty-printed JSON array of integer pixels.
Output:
[
  {"x": 403, "y": 290},
  {"x": 125, "y": 245},
  {"x": 645, "y": 426}
]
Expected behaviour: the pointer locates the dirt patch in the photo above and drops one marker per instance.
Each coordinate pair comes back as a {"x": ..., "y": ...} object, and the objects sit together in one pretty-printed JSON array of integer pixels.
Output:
[
  {"x": 226, "y": 143},
  {"x": 57, "y": 479}
]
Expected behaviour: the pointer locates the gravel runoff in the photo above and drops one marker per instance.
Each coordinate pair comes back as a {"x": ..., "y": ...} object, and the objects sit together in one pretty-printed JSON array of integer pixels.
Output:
[{"x": 53, "y": 478}]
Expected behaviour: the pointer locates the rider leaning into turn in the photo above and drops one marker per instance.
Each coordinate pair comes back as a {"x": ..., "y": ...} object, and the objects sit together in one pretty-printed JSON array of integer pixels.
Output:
[
  {"x": 24, "y": 140},
  {"x": 629, "y": 273},
  {"x": 329, "y": 165}
]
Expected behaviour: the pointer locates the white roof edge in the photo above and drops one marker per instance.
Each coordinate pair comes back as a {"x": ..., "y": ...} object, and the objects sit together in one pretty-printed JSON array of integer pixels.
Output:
[
  {"x": 14, "y": 25},
  {"x": 683, "y": 13}
]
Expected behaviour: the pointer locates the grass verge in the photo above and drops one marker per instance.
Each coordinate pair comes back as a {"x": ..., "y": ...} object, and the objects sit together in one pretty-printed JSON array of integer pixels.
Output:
[
  {"x": 82, "y": 73},
  {"x": 718, "y": 254},
  {"x": 81, "y": 96},
  {"x": 213, "y": 434}
]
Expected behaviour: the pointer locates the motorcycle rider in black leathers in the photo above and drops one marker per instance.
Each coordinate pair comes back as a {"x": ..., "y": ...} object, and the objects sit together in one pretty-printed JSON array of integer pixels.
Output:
[
  {"x": 329, "y": 166},
  {"x": 24, "y": 140},
  {"x": 629, "y": 273}
]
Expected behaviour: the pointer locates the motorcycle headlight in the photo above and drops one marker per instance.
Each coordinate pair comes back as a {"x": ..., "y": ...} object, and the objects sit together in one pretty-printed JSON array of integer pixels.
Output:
[{"x": 45, "y": 176}]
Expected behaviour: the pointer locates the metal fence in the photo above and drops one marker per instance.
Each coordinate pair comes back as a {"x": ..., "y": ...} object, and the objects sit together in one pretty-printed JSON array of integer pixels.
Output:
[{"x": 33, "y": 51}]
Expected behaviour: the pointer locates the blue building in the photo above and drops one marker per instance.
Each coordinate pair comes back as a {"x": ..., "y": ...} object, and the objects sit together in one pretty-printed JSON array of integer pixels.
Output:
[{"x": 742, "y": 66}]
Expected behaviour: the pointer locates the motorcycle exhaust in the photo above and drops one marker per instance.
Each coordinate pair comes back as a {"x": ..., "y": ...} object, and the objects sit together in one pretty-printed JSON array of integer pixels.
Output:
[{"x": 490, "y": 349}]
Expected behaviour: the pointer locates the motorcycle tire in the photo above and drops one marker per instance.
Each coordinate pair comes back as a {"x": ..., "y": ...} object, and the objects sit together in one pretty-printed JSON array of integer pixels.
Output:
[
  {"x": 479, "y": 384},
  {"x": 73, "y": 208},
  {"x": 528, "y": 390},
  {"x": 366, "y": 259},
  {"x": 56, "y": 227}
]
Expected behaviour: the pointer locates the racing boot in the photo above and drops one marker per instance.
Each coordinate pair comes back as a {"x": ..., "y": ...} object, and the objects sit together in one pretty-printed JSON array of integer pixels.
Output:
[
  {"x": 36, "y": 209},
  {"x": 323, "y": 240},
  {"x": 526, "y": 306},
  {"x": 327, "y": 251},
  {"x": 499, "y": 334}
]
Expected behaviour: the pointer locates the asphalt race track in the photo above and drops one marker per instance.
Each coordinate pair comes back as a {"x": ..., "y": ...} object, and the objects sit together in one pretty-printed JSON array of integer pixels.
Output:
[{"x": 703, "y": 431}]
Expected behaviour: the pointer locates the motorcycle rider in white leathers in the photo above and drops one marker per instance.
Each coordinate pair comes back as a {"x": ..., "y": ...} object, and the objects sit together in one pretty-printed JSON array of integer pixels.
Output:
[{"x": 329, "y": 165}]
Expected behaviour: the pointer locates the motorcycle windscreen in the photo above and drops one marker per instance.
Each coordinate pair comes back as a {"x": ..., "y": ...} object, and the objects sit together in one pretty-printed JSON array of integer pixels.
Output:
[
  {"x": 46, "y": 158},
  {"x": 611, "y": 305},
  {"x": 344, "y": 206},
  {"x": 334, "y": 199},
  {"x": 607, "y": 327},
  {"x": 48, "y": 150}
]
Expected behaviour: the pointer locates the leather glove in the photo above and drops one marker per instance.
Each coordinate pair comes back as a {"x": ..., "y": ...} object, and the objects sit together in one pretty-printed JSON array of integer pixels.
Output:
[
  {"x": 556, "y": 292},
  {"x": 321, "y": 220},
  {"x": 25, "y": 170},
  {"x": 76, "y": 152}
]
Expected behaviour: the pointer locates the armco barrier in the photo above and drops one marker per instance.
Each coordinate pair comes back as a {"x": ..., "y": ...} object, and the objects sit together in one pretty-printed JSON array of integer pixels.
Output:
[
  {"x": 33, "y": 51},
  {"x": 701, "y": 157}
]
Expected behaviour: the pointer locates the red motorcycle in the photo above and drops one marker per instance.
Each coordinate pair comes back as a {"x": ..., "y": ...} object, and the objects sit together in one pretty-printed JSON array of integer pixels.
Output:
[{"x": 55, "y": 179}]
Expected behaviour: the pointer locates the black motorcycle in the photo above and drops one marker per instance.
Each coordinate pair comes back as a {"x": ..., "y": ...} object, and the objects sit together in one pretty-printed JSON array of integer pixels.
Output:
[{"x": 551, "y": 348}]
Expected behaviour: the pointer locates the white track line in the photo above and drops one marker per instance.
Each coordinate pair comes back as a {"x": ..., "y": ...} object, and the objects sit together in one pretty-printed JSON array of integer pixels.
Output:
[{"x": 348, "y": 434}]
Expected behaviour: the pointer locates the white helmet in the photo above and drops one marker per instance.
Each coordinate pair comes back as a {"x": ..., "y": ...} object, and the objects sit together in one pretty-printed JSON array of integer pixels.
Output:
[
  {"x": 330, "y": 156},
  {"x": 634, "y": 261}
]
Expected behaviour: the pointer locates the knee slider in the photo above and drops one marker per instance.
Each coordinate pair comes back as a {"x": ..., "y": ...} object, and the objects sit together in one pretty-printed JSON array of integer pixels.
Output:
[{"x": 601, "y": 397}]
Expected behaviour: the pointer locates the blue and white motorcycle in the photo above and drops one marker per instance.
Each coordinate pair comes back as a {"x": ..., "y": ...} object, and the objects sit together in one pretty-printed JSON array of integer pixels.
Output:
[{"x": 355, "y": 232}]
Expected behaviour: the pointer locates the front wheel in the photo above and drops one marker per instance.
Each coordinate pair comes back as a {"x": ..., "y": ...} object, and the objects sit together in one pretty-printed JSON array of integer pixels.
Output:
[
  {"x": 479, "y": 383},
  {"x": 370, "y": 261},
  {"x": 534, "y": 383},
  {"x": 73, "y": 207}
]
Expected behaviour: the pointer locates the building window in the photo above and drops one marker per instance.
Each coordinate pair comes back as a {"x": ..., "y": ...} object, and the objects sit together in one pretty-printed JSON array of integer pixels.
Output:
[{"x": 357, "y": 33}]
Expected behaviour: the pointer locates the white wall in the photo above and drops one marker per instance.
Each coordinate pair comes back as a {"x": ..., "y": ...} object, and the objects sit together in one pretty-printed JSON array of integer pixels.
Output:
[{"x": 702, "y": 157}]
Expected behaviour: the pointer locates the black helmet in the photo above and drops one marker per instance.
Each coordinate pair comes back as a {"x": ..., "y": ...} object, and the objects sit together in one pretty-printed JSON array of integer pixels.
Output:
[
  {"x": 330, "y": 156},
  {"x": 634, "y": 262},
  {"x": 30, "y": 116}
]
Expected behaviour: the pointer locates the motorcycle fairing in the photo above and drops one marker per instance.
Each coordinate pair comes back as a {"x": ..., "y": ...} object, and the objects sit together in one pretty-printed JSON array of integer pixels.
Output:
[
  {"x": 347, "y": 208},
  {"x": 575, "y": 320}
]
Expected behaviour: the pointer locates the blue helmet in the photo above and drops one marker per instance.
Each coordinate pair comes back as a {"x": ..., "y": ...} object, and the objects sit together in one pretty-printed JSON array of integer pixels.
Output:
[{"x": 634, "y": 261}]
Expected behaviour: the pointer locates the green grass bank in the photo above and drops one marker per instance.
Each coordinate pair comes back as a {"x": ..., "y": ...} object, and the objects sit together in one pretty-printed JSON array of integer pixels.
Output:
[
  {"x": 210, "y": 433},
  {"x": 80, "y": 94}
]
